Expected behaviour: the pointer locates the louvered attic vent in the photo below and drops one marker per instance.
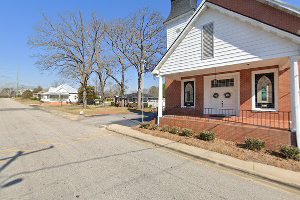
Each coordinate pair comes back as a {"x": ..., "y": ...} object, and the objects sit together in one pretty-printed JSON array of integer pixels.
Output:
[{"x": 208, "y": 41}]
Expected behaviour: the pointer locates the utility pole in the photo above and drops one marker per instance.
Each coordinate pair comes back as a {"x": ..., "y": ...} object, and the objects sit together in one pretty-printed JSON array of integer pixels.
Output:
[
  {"x": 142, "y": 86},
  {"x": 17, "y": 90}
]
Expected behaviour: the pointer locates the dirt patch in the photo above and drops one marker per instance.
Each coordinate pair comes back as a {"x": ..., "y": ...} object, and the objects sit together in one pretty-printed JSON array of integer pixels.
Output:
[
  {"x": 27, "y": 101},
  {"x": 229, "y": 148},
  {"x": 90, "y": 111}
]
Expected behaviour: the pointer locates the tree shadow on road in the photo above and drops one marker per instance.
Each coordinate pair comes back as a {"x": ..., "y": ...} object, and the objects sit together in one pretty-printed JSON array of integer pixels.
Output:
[
  {"x": 87, "y": 160},
  {"x": 11, "y": 159},
  {"x": 17, "y": 109}
]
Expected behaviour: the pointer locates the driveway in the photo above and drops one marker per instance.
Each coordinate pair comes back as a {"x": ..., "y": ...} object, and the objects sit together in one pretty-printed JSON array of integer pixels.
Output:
[
  {"x": 43, "y": 156},
  {"x": 130, "y": 120}
]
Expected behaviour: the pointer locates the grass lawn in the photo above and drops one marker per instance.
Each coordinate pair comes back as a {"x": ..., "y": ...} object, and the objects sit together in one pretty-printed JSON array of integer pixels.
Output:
[
  {"x": 28, "y": 101},
  {"x": 76, "y": 109},
  {"x": 91, "y": 110}
]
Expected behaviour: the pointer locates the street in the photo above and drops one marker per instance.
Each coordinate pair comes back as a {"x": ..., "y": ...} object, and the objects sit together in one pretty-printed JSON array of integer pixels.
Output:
[{"x": 44, "y": 156}]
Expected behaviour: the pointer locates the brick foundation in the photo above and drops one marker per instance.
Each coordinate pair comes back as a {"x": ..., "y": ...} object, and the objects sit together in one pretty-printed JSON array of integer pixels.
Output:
[{"x": 274, "y": 138}]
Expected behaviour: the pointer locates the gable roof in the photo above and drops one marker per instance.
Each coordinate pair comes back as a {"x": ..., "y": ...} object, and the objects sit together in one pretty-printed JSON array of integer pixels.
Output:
[
  {"x": 270, "y": 12},
  {"x": 254, "y": 21},
  {"x": 293, "y": 10},
  {"x": 62, "y": 89}
]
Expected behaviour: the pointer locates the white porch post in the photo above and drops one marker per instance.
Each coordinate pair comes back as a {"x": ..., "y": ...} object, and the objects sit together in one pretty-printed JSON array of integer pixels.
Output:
[
  {"x": 295, "y": 98},
  {"x": 160, "y": 99}
]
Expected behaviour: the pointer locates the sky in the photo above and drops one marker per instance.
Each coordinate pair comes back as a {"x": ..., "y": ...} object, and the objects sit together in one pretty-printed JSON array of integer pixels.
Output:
[{"x": 19, "y": 17}]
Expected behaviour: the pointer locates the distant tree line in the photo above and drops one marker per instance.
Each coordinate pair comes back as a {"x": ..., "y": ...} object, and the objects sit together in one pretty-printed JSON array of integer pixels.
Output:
[
  {"x": 26, "y": 94},
  {"x": 78, "y": 47}
]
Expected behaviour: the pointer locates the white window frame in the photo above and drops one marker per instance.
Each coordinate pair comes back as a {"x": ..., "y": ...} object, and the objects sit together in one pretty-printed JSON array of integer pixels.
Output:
[
  {"x": 213, "y": 41},
  {"x": 182, "y": 92},
  {"x": 276, "y": 103}
]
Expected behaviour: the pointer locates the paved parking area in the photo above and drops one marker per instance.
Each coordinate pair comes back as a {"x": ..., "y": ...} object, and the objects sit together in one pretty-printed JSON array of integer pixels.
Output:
[{"x": 44, "y": 156}]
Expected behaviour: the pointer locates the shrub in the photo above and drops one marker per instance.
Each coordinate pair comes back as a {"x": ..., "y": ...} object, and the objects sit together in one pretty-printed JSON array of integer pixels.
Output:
[
  {"x": 165, "y": 128},
  {"x": 132, "y": 105},
  {"x": 145, "y": 125},
  {"x": 34, "y": 99},
  {"x": 186, "y": 132},
  {"x": 290, "y": 152},
  {"x": 90, "y": 94},
  {"x": 175, "y": 130},
  {"x": 254, "y": 144},
  {"x": 27, "y": 94},
  {"x": 207, "y": 136},
  {"x": 153, "y": 127}
]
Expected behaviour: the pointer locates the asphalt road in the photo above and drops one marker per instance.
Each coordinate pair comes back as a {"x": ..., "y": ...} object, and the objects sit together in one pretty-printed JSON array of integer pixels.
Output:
[
  {"x": 43, "y": 156},
  {"x": 129, "y": 120}
]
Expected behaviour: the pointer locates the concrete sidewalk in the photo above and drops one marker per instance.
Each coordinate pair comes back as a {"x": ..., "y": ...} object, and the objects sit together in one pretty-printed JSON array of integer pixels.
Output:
[{"x": 275, "y": 174}]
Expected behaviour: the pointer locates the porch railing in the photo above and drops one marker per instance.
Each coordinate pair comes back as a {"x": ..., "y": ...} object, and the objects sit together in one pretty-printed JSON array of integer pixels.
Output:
[{"x": 278, "y": 120}]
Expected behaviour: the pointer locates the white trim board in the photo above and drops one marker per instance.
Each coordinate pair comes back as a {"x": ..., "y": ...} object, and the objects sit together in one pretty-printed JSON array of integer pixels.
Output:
[{"x": 276, "y": 88}]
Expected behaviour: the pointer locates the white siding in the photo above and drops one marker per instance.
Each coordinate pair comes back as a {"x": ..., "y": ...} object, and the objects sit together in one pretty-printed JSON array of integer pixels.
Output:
[
  {"x": 235, "y": 42},
  {"x": 172, "y": 28},
  {"x": 73, "y": 98}
]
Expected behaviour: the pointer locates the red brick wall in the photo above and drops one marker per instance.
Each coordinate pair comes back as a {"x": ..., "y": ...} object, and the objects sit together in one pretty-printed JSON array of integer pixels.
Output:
[
  {"x": 173, "y": 93},
  {"x": 199, "y": 93},
  {"x": 245, "y": 89},
  {"x": 236, "y": 133},
  {"x": 263, "y": 13},
  {"x": 284, "y": 93}
]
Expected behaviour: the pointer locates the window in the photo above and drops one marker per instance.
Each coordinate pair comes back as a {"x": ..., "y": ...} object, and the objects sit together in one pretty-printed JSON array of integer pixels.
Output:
[
  {"x": 189, "y": 93},
  {"x": 222, "y": 83},
  {"x": 208, "y": 41},
  {"x": 264, "y": 90}
]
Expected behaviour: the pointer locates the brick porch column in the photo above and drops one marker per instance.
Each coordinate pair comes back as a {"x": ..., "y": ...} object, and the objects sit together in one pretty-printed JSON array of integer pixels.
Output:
[{"x": 295, "y": 97}]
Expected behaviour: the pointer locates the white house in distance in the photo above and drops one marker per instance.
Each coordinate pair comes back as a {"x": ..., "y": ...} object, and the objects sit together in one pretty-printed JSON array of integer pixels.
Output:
[
  {"x": 62, "y": 94},
  {"x": 234, "y": 66}
]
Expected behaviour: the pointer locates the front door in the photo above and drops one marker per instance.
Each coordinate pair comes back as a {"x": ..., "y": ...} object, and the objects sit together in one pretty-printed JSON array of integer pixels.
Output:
[{"x": 221, "y": 94}]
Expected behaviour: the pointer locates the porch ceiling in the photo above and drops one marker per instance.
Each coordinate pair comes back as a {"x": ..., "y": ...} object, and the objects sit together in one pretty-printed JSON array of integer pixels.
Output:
[{"x": 281, "y": 62}]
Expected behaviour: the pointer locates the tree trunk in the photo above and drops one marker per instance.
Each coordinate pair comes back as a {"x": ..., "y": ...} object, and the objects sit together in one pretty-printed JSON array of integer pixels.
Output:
[
  {"x": 102, "y": 86},
  {"x": 122, "y": 85},
  {"x": 84, "y": 97},
  {"x": 102, "y": 83}
]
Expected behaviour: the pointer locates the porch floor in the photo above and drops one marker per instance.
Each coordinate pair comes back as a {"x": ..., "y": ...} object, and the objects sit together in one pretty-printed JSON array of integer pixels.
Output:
[{"x": 281, "y": 122}]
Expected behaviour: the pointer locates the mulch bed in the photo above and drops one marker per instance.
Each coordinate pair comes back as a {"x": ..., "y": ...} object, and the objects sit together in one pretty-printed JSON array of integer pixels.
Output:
[{"x": 231, "y": 149}]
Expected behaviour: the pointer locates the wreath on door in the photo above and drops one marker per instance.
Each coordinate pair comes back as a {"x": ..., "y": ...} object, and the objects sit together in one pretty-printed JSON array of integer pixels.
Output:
[
  {"x": 216, "y": 95},
  {"x": 227, "y": 95}
]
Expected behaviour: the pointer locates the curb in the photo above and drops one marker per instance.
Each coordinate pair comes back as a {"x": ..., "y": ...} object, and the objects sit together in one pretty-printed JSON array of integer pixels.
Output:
[{"x": 280, "y": 176}]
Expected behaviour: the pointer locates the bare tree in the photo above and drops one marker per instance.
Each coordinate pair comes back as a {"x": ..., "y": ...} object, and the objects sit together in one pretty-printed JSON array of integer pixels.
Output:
[
  {"x": 112, "y": 90},
  {"x": 115, "y": 33},
  {"x": 102, "y": 69},
  {"x": 153, "y": 91},
  {"x": 69, "y": 46},
  {"x": 140, "y": 39}
]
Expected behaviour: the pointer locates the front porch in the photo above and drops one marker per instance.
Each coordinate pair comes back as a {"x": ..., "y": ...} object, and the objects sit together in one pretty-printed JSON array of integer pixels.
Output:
[
  {"x": 275, "y": 120},
  {"x": 248, "y": 100}
]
